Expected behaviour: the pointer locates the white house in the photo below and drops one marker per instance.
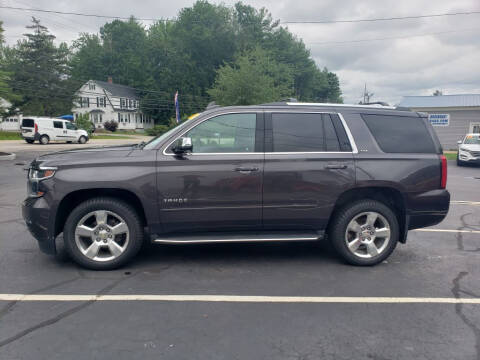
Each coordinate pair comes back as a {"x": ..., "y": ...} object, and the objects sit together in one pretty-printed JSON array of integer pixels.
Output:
[
  {"x": 9, "y": 123},
  {"x": 106, "y": 101}
]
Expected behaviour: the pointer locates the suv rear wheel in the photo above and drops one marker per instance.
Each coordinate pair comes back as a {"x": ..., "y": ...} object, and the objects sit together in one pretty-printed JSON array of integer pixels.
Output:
[
  {"x": 103, "y": 234},
  {"x": 365, "y": 232}
]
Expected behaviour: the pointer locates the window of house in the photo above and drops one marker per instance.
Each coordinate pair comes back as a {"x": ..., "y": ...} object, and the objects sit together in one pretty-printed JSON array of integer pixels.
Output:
[
  {"x": 91, "y": 86},
  {"x": 122, "y": 103},
  {"x": 231, "y": 133},
  {"x": 118, "y": 117},
  {"x": 101, "y": 118}
]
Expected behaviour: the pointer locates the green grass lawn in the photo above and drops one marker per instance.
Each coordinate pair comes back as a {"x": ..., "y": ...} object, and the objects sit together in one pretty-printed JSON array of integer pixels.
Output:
[
  {"x": 451, "y": 155},
  {"x": 10, "y": 135}
]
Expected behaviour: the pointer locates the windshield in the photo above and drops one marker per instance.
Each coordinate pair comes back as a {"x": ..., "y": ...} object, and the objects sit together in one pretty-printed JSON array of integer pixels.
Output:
[
  {"x": 157, "y": 140},
  {"x": 472, "y": 139}
]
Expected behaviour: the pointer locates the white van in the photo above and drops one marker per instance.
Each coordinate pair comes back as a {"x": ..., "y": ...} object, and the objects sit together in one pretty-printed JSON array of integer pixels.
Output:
[{"x": 50, "y": 129}]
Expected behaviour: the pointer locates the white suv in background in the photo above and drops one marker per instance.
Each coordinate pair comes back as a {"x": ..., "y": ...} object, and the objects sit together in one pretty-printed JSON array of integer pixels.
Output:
[
  {"x": 50, "y": 129},
  {"x": 469, "y": 150}
]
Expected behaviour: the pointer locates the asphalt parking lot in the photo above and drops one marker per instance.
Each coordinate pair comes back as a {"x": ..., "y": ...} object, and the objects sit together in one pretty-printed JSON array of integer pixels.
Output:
[{"x": 268, "y": 301}]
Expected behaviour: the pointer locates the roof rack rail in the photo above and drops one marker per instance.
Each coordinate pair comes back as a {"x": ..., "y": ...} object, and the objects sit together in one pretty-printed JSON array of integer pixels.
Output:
[{"x": 339, "y": 105}]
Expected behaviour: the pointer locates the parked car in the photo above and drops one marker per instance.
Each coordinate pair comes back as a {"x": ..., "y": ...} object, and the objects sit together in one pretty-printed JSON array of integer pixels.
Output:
[
  {"x": 44, "y": 130},
  {"x": 469, "y": 150},
  {"x": 357, "y": 176}
]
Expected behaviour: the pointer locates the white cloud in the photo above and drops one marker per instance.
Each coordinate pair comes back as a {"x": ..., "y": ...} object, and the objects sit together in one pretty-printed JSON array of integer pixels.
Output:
[{"x": 391, "y": 68}]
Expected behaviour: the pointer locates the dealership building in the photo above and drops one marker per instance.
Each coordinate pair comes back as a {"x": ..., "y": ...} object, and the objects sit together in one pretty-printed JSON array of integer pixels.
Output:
[{"x": 452, "y": 116}]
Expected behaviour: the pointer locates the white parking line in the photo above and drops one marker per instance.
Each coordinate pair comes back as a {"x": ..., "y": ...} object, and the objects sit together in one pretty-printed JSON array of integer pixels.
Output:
[
  {"x": 241, "y": 299},
  {"x": 449, "y": 231},
  {"x": 464, "y": 202}
]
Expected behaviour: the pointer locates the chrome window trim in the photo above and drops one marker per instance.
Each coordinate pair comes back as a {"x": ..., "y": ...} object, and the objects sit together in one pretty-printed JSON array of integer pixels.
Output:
[{"x": 345, "y": 126}]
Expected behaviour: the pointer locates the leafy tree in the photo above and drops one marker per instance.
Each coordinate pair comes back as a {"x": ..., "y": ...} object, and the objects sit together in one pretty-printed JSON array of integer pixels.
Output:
[
  {"x": 255, "y": 77},
  {"x": 83, "y": 122},
  {"x": 5, "y": 90},
  {"x": 40, "y": 73}
]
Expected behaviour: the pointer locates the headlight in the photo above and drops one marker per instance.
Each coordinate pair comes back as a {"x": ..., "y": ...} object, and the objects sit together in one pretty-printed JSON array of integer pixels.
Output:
[
  {"x": 464, "y": 149},
  {"x": 41, "y": 173}
]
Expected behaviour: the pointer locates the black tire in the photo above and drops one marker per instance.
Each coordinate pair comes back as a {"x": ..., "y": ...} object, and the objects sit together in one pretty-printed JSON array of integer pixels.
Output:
[
  {"x": 119, "y": 207},
  {"x": 69, "y": 142},
  {"x": 82, "y": 140},
  {"x": 459, "y": 162},
  {"x": 338, "y": 228},
  {"x": 44, "y": 140},
  {"x": 29, "y": 141}
]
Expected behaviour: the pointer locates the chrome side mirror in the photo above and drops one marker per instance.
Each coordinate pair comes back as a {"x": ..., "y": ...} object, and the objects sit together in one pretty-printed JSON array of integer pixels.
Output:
[{"x": 182, "y": 145}]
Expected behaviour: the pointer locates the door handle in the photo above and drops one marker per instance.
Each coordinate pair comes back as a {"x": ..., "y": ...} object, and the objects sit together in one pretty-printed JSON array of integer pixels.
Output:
[
  {"x": 336, "y": 166},
  {"x": 246, "y": 170}
]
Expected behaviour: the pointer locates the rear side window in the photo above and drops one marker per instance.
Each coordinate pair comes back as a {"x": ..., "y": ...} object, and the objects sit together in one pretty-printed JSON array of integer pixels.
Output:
[
  {"x": 28, "y": 123},
  {"x": 400, "y": 134},
  {"x": 305, "y": 132},
  {"x": 58, "y": 125}
]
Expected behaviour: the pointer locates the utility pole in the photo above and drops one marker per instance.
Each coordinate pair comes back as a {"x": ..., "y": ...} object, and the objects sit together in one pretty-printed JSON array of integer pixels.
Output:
[{"x": 366, "y": 95}]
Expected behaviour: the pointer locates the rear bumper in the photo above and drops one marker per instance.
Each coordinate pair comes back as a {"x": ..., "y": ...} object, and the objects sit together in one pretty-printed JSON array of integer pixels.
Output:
[
  {"x": 35, "y": 137},
  {"x": 428, "y": 209},
  {"x": 36, "y": 213}
]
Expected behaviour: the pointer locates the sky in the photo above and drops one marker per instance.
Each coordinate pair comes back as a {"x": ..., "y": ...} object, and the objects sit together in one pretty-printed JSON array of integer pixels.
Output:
[{"x": 393, "y": 58}]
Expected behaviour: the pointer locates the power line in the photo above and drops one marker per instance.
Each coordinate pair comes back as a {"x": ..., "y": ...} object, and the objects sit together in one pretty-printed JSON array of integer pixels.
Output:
[
  {"x": 282, "y": 22},
  {"x": 381, "y": 19}
]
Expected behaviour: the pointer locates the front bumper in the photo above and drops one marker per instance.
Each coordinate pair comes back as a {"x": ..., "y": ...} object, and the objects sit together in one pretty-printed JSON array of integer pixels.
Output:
[
  {"x": 36, "y": 212},
  {"x": 466, "y": 156}
]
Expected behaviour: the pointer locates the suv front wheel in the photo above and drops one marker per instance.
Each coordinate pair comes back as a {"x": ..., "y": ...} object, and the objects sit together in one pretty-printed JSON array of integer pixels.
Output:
[
  {"x": 103, "y": 233},
  {"x": 365, "y": 232}
]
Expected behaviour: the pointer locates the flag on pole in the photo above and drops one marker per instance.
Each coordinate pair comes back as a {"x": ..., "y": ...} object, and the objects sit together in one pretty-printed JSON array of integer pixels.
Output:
[{"x": 177, "y": 108}]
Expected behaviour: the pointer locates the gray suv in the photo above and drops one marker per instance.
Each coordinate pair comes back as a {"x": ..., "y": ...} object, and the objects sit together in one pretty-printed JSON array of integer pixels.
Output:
[{"x": 357, "y": 176}]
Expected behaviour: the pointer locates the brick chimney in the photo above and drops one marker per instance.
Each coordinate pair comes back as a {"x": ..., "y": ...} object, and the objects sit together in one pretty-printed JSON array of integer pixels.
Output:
[{"x": 110, "y": 80}]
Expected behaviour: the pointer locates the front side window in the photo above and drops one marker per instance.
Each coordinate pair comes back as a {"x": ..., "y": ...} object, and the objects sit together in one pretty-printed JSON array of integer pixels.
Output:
[
  {"x": 230, "y": 133},
  {"x": 70, "y": 126}
]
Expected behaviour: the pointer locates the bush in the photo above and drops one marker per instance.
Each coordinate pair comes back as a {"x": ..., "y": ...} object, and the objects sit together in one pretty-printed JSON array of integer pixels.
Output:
[
  {"x": 110, "y": 125},
  {"x": 84, "y": 123},
  {"x": 157, "y": 130}
]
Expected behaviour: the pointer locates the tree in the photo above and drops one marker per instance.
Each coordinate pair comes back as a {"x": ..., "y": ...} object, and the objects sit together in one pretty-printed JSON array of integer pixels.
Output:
[
  {"x": 253, "y": 78},
  {"x": 40, "y": 73},
  {"x": 5, "y": 90},
  {"x": 83, "y": 122}
]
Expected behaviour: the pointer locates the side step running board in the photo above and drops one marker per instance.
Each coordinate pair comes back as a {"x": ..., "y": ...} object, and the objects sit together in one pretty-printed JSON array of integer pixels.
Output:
[{"x": 213, "y": 237}]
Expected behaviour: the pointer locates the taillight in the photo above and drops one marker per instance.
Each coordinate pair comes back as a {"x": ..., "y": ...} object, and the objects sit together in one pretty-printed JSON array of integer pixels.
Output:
[
  {"x": 36, "y": 128},
  {"x": 443, "y": 181}
]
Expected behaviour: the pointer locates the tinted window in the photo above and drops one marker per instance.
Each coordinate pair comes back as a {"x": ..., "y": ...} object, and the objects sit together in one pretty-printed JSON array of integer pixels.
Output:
[
  {"x": 400, "y": 134},
  {"x": 232, "y": 133},
  {"x": 341, "y": 133},
  {"x": 58, "y": 125},
  {"x": 70, "y": 126},
  {"x": 28, "y": 123},
  {"x": 297, "y": 133},
  {"x": 331, "y": 139}
]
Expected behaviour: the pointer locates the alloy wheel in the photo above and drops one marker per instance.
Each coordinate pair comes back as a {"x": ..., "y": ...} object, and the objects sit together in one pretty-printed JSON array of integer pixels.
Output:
[
  {"x": 102, "y": 235},
  {"x": 367, "y": 234}
]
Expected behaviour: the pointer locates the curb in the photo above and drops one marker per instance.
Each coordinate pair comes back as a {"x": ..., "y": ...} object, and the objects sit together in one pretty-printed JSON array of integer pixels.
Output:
[{"x": 9, "y": 156}]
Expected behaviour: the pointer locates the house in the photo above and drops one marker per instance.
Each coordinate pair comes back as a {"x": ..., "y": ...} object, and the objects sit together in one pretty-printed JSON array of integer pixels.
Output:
[
  {"x": 452, "y": 116},
  {"x": 106, "y": 101},
  {"x": 9, "y": 123}
]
